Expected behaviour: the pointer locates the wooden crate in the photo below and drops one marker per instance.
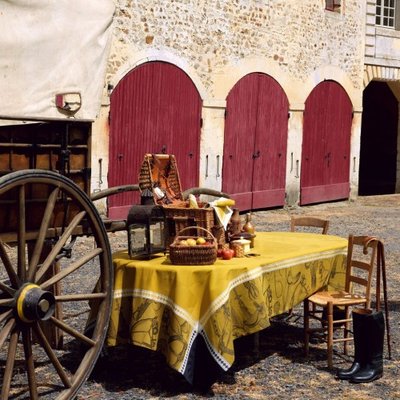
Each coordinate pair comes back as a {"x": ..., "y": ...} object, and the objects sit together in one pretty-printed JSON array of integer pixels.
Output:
[{"x": 63, "y": 147}]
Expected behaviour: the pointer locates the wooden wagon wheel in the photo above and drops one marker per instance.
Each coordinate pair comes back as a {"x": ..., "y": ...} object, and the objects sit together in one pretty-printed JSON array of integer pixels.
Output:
[{"x": 37, "y": 207}]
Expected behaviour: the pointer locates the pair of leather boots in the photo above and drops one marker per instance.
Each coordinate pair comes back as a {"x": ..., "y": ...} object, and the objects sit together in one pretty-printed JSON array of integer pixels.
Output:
[{"x": 368, "y": 330}]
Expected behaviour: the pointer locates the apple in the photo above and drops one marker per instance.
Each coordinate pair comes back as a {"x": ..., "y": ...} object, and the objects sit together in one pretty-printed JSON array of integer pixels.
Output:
[
  {"x": 219, "y": 252},
  {"x": 183, "y": 243},
  {"x": 200, "y": 240},
  {"x": 227, "y": 254},
  {"x": 191, "y": 242}
]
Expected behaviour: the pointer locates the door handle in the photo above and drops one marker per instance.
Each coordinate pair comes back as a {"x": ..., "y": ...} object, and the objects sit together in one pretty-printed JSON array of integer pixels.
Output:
[{"x": 328, "y": 157}]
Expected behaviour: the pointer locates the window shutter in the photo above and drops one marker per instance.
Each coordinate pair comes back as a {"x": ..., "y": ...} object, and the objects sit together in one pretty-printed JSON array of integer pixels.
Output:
[
  {"x": 329, "y": 4},
  {"x": 333, "y": 5}
]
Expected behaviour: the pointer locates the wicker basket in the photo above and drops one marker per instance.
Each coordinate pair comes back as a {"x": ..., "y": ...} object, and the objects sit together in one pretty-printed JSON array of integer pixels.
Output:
[
  {"x": 182, "y": 217},
  {"x": 193, "y": 255},
  {"x": 160, "y": 171}
]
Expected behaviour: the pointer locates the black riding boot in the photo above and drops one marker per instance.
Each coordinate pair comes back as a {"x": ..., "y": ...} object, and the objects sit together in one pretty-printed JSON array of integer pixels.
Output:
[
  {"x": 374, "y": 331},
  {"x": 359, "y": 346}
]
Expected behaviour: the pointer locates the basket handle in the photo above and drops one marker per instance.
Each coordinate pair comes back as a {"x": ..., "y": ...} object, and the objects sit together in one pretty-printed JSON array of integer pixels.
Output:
[{"x": 198, "y": 227}]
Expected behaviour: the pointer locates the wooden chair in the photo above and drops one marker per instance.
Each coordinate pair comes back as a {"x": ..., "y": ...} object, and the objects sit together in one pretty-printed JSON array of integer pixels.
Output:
[
  {"x": 327, "y": 305},
  {"x": 311, "y": 222},
  {"x": 304, "y": 222}
]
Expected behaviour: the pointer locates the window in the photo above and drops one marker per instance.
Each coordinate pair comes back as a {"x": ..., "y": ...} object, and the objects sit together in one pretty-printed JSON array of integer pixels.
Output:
[
  {"x": 385, "y": 13},
  {"x": 333, "y": 5}
]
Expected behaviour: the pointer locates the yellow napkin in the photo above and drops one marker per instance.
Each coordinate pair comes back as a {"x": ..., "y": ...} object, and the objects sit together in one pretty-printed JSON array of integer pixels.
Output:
[{"x": 222, "y": 210}]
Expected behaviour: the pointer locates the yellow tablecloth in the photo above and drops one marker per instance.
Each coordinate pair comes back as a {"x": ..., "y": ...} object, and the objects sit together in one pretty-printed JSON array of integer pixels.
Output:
[{"x": 165, "y": 307}]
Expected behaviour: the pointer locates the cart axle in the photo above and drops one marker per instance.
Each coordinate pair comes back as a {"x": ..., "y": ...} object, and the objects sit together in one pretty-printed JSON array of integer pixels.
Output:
[{"x": 33, "y": 303}]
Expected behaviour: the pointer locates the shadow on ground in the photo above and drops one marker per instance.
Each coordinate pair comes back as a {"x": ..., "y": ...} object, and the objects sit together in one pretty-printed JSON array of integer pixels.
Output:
[{"x": 127, "y": 367}]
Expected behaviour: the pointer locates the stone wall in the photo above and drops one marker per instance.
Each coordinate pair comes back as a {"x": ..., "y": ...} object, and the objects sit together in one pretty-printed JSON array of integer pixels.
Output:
[{"x": 298, "y": 36}]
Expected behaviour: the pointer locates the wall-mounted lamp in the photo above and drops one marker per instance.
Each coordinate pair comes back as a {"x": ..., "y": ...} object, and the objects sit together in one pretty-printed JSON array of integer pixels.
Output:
[{"x": 68, "y": 103}]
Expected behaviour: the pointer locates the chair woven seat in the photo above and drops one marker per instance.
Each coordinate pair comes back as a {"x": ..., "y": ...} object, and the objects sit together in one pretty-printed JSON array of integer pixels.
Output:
[{"x": 337, "y": 298}]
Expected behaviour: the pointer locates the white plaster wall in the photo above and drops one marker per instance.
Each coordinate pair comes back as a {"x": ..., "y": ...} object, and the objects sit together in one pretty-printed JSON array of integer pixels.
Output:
[
  {"x": 212, "y": 144},
  {"x": 293, "y": 157},
  {"x": 355, "y": 145},
  {"x": 99, "y": 152}
]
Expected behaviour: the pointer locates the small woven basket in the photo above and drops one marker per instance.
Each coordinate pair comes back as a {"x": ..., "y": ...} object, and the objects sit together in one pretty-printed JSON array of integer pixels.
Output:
[{"x": 205, "y": 254}]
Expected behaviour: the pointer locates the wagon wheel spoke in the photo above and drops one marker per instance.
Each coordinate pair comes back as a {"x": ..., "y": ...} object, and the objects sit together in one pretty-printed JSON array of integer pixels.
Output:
[
  {"x": 7, "y": 289},
  {"x": 12, "y": 351},
  {"x": 48, "y": 213},
  {"x": 30, "y": 366},
  {"x": 81, "y": 297},
  {"x": 52, "y": 356},
  {"x": 15, "y": 281},
  {"x": 73, "y": 332},
  {"x": 5, "y": 315},
  {"x": 59, "y": 245},
  {"x": 6, "y": 302},
  {"x": 8, "y": 327},
  {"x": 21, "y": 234},
  {"x": 73, "y": 267}
]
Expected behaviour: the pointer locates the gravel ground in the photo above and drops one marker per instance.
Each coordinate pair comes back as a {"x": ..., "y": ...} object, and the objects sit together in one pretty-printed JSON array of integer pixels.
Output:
[{"x": 276, "y": 368}]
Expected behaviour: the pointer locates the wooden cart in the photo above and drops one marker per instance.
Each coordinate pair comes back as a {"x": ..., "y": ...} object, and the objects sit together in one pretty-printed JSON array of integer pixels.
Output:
[{"x": 49, "y": 276}]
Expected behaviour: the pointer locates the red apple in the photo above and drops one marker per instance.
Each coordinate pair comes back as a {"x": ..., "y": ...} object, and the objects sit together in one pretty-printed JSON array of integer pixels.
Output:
[
  {"x": 219, "y": 252},
  {"x": 227, "y": 254}
]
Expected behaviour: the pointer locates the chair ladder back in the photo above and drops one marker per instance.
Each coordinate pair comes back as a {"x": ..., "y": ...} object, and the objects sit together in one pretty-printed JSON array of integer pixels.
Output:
[
  {"x": 356, "y": 267},
  {"x": 311, "y": 222}
]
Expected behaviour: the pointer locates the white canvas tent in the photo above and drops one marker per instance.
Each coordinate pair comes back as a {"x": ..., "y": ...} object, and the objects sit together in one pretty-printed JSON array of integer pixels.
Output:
[{"x": 53, "y": 56}]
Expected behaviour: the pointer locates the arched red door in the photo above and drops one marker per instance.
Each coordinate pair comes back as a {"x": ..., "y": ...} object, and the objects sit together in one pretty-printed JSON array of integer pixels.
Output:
[
  {"x": 255, "y": 142},
  {"x": 326, "y": 144},
  {"x": 155, "y": 108}
]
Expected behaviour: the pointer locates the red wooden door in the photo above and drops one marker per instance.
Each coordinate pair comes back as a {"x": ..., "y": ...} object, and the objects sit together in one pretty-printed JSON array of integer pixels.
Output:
[
  {"x": 326, "y": 144},
  {"x": 240, "y": 127},
  {"x": 254, "y": 166},
  {"x": 154, "y": 109}
]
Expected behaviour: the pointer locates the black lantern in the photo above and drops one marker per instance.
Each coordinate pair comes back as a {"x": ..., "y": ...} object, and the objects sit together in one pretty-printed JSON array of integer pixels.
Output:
[{"x": 146, "y": 230}]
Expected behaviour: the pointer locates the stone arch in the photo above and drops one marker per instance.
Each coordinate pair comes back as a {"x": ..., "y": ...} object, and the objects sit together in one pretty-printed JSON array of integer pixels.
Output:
[
  {"x": 158, "y": 55},
  {"x": 229, "y": 76},
  {"x": 333, "y": 73},
  {"x": 374, "y": 72}
]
